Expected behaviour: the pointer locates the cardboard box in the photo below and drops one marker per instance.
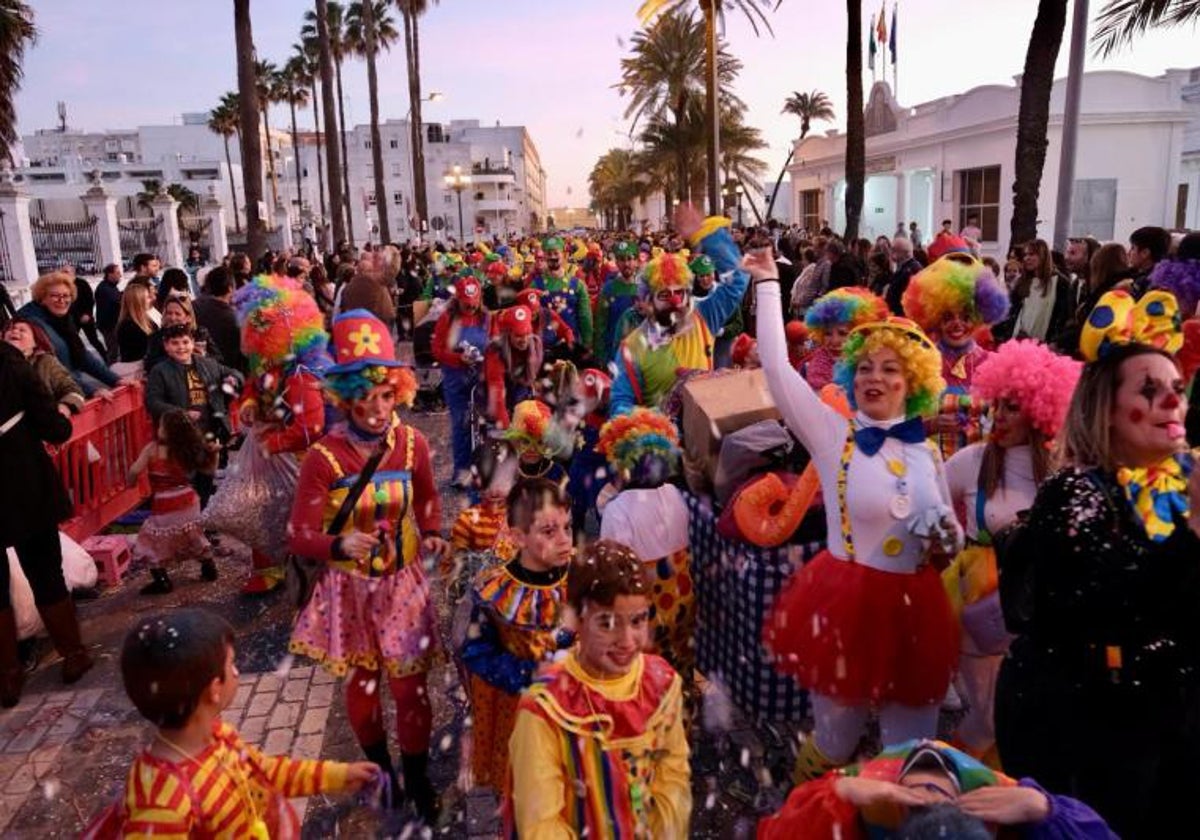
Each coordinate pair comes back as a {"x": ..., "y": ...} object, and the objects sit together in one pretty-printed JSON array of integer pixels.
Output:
[{"x": 717, "y": 405}]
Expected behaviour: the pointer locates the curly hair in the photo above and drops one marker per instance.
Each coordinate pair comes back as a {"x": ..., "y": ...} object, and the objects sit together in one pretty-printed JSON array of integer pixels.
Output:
[
  {"x": 921, "y": 361},
  {"x": 959, "y": 284},
  {"x": 663, "y": 271},
  {"x": 281, "y": 325},
  {"x": 184, "y": 440},
  {"x": 1182, "y": 279},
  {"x": 628, "y": 439},
  {"x": 845, "y": 307},
  {"x": 345, "y": 387},
  {"x": 1030, "y": 373}
]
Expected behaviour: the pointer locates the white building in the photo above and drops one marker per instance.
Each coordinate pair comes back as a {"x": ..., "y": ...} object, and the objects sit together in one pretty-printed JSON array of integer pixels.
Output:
[
  {"x": 1137, "y": 160},
  {"x": 506, "y": 193}
]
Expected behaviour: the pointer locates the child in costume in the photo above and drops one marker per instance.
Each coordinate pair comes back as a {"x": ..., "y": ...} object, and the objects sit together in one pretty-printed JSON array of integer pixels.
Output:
[
  {"x": 515, "y": 621},
  {"x": 951, "y": 299},
  {"x": 1029, "y": 388},
  {"x": 599, "y": 748},
  {"x": 540, "y": 441},
  {"x": 928, "y": 789},
  {"x": 284, "y": 341},
  {"x": 829, "y": 321},
  {"x": 866, "y": 624},
  {"x": 198, "y": 778},
  {"x": 370, "y": 618},
  {"x": 650, "y": 516},
  {"x": 588, "y": 471},
  {"x": 512, "y": 362},
  {"x": 173, "y": 530}
]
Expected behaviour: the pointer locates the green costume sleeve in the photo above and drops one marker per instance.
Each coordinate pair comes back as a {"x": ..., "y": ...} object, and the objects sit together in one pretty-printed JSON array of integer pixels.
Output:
[
  {"x": 598, "y": 343},
  {"x": 584, "y": 307}
]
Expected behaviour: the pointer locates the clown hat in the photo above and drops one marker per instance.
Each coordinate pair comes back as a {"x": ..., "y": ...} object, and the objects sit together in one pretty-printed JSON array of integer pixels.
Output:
[
  {"x": 702, "y": 264},
  {"x": 943, "y": 244},
  {"x": 531, "y": 298},
  {"x": 595, "y": 383},
  {"x": 360, "y": 340},
  {"x": 516, "y": 321},
  {"x": 468, "y": 290}
]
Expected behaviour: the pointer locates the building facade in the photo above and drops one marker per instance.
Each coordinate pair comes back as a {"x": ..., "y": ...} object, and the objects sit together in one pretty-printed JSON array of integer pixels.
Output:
[{"x": 1137, "y": 160}]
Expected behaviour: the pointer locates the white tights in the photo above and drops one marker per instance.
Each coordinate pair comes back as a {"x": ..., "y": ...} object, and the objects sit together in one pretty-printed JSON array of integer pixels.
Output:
[{"x": 839, "y": 727}]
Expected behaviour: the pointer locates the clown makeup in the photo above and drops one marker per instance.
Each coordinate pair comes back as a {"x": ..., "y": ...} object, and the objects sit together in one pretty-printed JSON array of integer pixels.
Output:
[
  {"x": 1148, "y": 411},
  {"x": 668, "y": 303},
  {"x": 548, "y": 543},
  {"x": 835, "y": 337},
  {"x": 1010, "y": 426},
  {"x": 955, "y": 330},
  {"x": 372, "y": 412},
  {"x": 612, "y": 638},
  {"x": 880, "y": 385}
]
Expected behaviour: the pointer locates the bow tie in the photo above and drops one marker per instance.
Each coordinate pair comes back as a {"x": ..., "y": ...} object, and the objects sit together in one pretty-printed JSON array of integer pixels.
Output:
[
  {"x": 1158, "y": 494},
  {"x": 870, "y": 438}
]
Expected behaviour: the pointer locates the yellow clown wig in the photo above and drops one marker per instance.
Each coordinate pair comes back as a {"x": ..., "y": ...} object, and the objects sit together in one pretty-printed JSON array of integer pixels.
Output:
[
  {"x": 666, "y": 271},
  {"x": 956, "y": 284},
  {"x": 921, "y": 361}
]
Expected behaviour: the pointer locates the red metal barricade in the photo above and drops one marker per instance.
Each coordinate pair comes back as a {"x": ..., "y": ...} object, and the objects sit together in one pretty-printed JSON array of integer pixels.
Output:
[{"x": 94, "y": 463}]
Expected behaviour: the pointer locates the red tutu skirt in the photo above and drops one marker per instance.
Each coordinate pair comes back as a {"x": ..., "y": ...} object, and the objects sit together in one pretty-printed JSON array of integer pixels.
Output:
[{"x": 861, "y": 635}]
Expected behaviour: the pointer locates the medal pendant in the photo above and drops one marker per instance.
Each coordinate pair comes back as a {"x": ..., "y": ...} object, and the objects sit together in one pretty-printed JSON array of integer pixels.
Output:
[{"x": 900, "y": 507}]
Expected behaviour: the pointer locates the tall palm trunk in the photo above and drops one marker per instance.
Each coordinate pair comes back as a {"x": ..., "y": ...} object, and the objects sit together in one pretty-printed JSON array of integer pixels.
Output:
[
  {"x": 296, "y": 155},
  {"x": 337, "y": 202},
  {"x": 237, "y": 221},
  {"x": 248, "y": 111},
  {"x": 381, "y": 204},
  {"x": 1033, "y": 118},
  {"x": 317, "y": 125},
  {"x": 682, "y": 177},
  {"x": 270, "y": 157},
  {"x": 345, "y": 155},
  {"x": 856, "y": 141},
  {"x": 712, "y": 110},
  {"x": 412, "y": 46}
]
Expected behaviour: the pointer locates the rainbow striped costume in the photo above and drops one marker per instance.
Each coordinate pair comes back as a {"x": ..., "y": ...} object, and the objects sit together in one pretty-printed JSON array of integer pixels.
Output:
[{"x": 600, "y": 758}]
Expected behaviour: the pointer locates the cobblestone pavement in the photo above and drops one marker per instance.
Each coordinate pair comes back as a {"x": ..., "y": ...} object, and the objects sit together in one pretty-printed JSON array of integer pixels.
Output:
[{"x": 64, "y": 754}]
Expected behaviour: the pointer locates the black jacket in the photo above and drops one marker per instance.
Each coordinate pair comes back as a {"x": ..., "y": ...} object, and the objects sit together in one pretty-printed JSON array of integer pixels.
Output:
[
  {"x": 32, "y": 496},
  {"x": 108, "y": 306},
  {"x": 166, "y": 389},
  {"x": 217, "y": 316}
]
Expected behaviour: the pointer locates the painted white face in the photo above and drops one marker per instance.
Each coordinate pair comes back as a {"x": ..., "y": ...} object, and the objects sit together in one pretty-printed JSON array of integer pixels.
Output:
[{"x": 1149, "y": 409}]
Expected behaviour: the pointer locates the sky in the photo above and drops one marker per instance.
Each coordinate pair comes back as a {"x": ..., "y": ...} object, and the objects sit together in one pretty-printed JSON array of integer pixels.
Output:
[{"x": 550, "y": 65}]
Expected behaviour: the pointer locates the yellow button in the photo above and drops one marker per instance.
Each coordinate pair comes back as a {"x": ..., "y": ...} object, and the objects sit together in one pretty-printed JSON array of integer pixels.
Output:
[
  {"x": 893, "y": 546},
  {"x": 896, "y": 467}
]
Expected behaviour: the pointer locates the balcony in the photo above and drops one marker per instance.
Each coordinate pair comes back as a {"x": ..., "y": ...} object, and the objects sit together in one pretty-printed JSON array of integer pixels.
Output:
[
  {"x": 495, "y": 176},
  {"x": 495, "y": 205}
]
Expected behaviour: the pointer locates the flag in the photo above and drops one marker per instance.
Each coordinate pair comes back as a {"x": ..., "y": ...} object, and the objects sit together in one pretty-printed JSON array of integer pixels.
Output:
[
  {"x": 881, "y": 31},
  {"x": 871, "y": 39},
  {"x": 892, "y": 42}
]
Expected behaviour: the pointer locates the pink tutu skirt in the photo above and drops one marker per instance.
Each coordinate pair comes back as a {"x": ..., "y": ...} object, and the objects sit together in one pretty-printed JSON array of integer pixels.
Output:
[
  {"x": 178, "y": 535},
  {"x": 384, "y": 623}
]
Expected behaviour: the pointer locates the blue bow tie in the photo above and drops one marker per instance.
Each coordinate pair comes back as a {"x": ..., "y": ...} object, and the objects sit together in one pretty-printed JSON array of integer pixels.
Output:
[{"x": 870, "y": 438}]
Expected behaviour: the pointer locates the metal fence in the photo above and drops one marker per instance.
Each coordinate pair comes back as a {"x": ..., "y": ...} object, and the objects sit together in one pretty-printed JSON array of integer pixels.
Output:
[
  {"x": 6, "y": 272},
  {"x": 55, "y": 243},
  {"x": 140, "y": 236}
]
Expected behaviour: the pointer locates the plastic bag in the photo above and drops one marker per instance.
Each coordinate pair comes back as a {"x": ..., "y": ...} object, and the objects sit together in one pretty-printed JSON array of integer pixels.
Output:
[
  {"x": 79, "y": 572},
  {"x": 254, "y": 501}
]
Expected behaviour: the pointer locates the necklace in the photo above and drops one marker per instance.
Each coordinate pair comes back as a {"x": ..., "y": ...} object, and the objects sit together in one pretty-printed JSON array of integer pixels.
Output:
[
  {"x": 901, "y": 505},
  {"x": 258, "y": 827}
]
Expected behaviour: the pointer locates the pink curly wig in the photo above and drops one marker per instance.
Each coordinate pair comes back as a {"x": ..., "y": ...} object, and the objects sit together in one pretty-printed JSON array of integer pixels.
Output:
[
  {"x": 956, "y": 283},
  {"x": 1039, "y": 379}
]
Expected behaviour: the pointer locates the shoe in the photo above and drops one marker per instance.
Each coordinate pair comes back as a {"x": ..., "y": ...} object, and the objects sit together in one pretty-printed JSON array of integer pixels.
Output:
[
  {"x": 63, "y": 627},
  {"x": 378, "y": 753},
  {"x": 160, "y": 583},
  {"x": 12, "y": 675},
  {"x": 260, "y": 584},
  {"x": 208, "y": 570},
  {"x": 418, "y": 788}
]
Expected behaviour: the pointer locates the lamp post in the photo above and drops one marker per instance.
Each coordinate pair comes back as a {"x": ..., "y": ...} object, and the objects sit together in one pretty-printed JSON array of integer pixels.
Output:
[
  {"x": 733, "y": 195},
  {"x": 458, "y": 182}
]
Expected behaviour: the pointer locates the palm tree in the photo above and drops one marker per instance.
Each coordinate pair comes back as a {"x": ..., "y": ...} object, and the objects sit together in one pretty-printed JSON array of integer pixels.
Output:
[
  {"x": 856, "y": 132},
  {"x": 188, "y": 202},
  {"x": 410, "y": 12},
  {"x": 223, "y": 120},
  {"x": 307, "y": 54},
  {"x": 809, "y": 107},
  {"x": 248, "y": 116},
  {"x": 335, "y": 26},
  {"x": 319, "y": 43},
  {"x": 370, "y": 29},
  {"x": 269, "y": 92},
  {"x": 1033, "y": 117},
  {"x": 16, "y": 32},
  {"x": 293, "y": 79},
  {"x": 1123, "y": 20},
  {"x": 615, "y": 184},
  {"x": 755, "y": 11}
]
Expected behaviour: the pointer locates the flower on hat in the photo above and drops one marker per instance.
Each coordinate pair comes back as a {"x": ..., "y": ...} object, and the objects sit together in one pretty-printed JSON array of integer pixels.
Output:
[{"x": 364, "y": 340}]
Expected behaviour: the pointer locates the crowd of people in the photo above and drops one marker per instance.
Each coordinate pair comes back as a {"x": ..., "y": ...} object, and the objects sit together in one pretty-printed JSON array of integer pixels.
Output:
[{"x": 997, "y": 466}]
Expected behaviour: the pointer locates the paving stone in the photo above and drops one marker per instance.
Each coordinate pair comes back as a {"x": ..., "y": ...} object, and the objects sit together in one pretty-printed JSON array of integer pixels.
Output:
[
  {"x": 314, "y": 721},
  {"x": 268, "y": 684},
  {"x": 322, "y": 677},
  {"x": 304, "y": 672},
  {"x": 87, "y": 698},
  {"x": 23, "y": 782},
  {"x": 279, "y": 742},
  {"x": 285, "y": 715},
  {"x": 295, "y": 690},
  {"x": 320, "y": 696},
  {"x": 242, "y": 696},
  {"x": 253, "y": 729},
  {"x": 260, "y": 705},
  {"x": 308, "y": 746},
  {"x": 27, "y": 738},
  {"x": 9, "y": 805},
  {"x": 44, "y": 760}
]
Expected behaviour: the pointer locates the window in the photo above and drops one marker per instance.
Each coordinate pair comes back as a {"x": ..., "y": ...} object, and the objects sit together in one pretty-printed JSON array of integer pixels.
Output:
[
  {"x": 371, "y": 199},
  {"x": 449, "y": 200},
  {"x": 810, "y": 210},
  {"x": 366, "y": 144},
  {"x": 397, "y": 170},
  {"x": 1094, "y": 208},
  {"x": 394, "y": 143},
  {"x": 979, "y": 196},
  {"x": 397, "y": 198}
]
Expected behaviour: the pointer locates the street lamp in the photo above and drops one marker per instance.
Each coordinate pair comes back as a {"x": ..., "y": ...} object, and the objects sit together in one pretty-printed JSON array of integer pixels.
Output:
[
  {"x": 733, "y": 195},
  {"x": 458, "y": 182}
]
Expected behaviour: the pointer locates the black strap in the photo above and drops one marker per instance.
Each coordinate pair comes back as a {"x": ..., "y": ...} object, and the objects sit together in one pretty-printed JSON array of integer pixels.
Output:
[{"x": 356, "y": 489}]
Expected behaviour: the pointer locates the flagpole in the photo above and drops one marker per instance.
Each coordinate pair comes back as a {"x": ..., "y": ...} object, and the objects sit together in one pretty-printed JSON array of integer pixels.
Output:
[{"x": 895, "y": 63}]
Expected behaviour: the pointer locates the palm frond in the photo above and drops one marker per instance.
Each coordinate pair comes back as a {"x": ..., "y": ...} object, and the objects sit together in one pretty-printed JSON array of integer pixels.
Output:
[{"x": 1122, "y": 21}]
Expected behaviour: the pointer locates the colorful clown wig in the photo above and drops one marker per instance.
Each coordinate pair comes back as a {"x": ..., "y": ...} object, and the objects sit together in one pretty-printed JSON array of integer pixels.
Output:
[
  {"x": 530, "y": 428},
  {"x": 347, "y": 387},
  {"x": 666, "y": 271},
  {"x": 282, "y": 328},
  {"x": 921, "y": 361},
  {"x": 1182, "y": 279},
  {"x": 1035, "y": 377},
  {"x": 627, "y": 439},
  {"x": 958, "y": 284},
  {"x": 847, "y": 307}
]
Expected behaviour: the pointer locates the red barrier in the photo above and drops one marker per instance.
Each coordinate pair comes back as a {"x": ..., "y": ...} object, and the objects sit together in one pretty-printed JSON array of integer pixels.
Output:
[{"x": 108, "y": 437}]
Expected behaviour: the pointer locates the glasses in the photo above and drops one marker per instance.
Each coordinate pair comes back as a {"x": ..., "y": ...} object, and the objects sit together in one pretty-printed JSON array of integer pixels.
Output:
[{"x": 59, "y": 296}]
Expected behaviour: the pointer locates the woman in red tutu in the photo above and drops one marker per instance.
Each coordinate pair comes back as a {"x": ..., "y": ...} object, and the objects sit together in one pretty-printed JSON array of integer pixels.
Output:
[{"x": 866, "y": 623}]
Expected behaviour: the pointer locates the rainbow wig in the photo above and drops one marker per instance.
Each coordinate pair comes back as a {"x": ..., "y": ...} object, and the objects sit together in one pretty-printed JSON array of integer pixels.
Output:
[
  {"x": 346, "y": 387},
  {"x": 1038, "y": 379},
  {"x": 921, "y": 361},
  {"x": 1182, "y": 279},
  {"x": 668, "y": 270},
  {"x": 282, "y": 328},
  {"x": 628, "y": 438},
  {"x": 847, "y": 307},
  {"x": 957, "y": 283},
  {"x": 529, "y": 429}
]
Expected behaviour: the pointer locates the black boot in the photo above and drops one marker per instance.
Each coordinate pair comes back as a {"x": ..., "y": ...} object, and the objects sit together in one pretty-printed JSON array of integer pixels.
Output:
[
  {"x": 378, "y": 753},
  {"x": 160, "y": 583},
  {"x": 208, "y": 570},
  {"x": 12, "y": 675},
  {"x": 63, "y": 627},
  {"x": 419, "y": 788}
]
